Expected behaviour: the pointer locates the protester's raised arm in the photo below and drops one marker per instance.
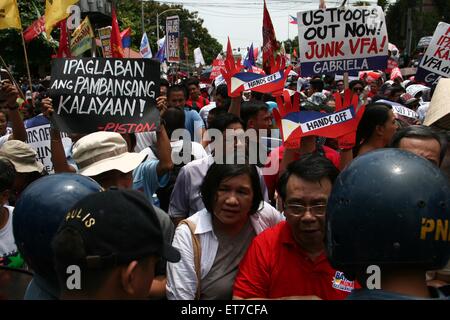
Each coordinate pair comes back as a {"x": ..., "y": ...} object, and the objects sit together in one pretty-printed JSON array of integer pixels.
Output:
[
  {"x": 58, "y": 154},
  {"x": 164, "y": 150},
  {"x": 10, "y": 92}
]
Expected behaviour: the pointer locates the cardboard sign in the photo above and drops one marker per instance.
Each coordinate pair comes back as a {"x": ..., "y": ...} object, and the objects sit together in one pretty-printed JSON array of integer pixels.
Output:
[
  {"x": 401, "y": 112},
  {"x": 173, "y": 38},
  {"x": 338, "y": 40},
  {"x": 218, "y": 64},
  {"x": 38, "y": 137},
  {"x": 244, "y": 81},
  {"x": 435, "y": 63},
  {"x": 310, "y": 123},
  {"x": 82, "y": 38},
  {"x": 438, "y": 113},
  {"x": 97, "y": 94},
  {"x": 105, "y": 39}
]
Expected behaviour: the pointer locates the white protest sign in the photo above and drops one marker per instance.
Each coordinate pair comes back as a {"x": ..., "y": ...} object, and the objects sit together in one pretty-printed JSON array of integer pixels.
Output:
[
  {"x": 326, "y": 121},
  {"x": 198, "y": 56},
  {"x": 338, "y": 40},
  {"x": 38, "y": 137},
  {"x": 435, "y": 62},
  {"x": 401, "y": 110}
]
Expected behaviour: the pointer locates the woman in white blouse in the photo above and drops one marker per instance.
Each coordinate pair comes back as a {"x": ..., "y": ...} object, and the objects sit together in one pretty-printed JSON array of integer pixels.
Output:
[{"x": 213, "y": 241}]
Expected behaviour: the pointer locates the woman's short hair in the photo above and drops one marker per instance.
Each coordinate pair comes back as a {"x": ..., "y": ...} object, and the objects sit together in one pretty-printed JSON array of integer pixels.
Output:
[{"x": 217, "y": 173}]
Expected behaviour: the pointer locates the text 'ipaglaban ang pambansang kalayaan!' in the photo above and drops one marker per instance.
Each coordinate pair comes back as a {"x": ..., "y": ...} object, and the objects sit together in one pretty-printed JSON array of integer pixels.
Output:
[{"x": 92, "y": 94}]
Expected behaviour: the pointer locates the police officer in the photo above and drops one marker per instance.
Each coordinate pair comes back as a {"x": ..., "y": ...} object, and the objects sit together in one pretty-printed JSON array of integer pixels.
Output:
[
  {"x": 37, "y": 216},
  {"x": 386, "y": 224}
]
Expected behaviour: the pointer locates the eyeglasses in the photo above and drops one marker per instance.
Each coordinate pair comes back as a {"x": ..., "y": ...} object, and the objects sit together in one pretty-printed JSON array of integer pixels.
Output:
[
  {"x": 300, "y": 210},
  {"x": 358, "y": 89}
]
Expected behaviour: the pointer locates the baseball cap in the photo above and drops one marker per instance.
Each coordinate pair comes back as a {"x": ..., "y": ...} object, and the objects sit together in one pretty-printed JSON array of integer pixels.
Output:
[
  {"x": 22, "y": 156},
  {"x": 117, "y": 227},
  {"x": 102, "y": 151}
]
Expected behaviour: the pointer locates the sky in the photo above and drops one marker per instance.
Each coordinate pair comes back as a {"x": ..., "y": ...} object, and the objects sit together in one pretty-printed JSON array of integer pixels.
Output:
[{"x": 241, "y": 20}]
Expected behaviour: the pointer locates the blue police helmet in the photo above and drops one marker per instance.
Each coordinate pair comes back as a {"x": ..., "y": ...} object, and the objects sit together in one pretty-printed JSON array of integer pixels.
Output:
[
  {"x": 389, "y": 208},
  {"x": 39, "y": 212}
]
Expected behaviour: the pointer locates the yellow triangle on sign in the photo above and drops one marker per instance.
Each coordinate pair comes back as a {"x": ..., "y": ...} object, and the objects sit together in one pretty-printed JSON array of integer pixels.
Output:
[{"x": 288, "y": 127}]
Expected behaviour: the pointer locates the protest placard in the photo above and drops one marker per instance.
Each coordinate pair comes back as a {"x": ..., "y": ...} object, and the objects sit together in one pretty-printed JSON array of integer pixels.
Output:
[
  {"x": 217, "y": 64},
  {"x": 338, "y": 40},
  {"x": 82, "y": 38},
  {"x": 97, "y": 94},
  {"x": 401, "y": 112},
  {"x": 105, "y": 40},
  {"x": 438, "y": 114},
  {"x": 309, "y": 123},
  {"x": 173, "y": 38},
  {"x": 38, "y": 137},
  {"x": 435, "y": 63}
]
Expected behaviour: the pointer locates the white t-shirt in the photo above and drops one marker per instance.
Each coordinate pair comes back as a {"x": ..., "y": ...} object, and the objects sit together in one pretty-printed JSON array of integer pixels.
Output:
[
  {"x": 3, "y": 139},
  {"x": 9, "y": 255}
]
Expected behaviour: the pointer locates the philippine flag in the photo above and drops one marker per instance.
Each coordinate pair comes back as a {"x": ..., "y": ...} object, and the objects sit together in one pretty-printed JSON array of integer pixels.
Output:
[
  {"x": 126, "y": 38},
  {"x": 292, "y": 20}
]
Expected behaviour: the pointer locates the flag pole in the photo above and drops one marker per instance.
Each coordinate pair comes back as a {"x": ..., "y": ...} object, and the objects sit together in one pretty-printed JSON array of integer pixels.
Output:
[
  {"x": 26, "y": 61},
  {"x": 13, "y": 79}
]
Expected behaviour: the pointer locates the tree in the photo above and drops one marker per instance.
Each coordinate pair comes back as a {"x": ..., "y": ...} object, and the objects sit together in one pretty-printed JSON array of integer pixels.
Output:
[
  {"x": 39, "y": 50},
  {"x": 191, "y": 26},
  {"x": 423, "y": 23}
]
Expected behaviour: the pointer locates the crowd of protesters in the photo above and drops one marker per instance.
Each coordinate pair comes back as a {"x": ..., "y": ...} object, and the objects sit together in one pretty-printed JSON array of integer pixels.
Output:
[{"x": 191, "y": 216}]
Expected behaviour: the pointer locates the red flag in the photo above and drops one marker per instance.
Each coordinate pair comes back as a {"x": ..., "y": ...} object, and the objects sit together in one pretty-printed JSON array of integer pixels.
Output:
[
  {"x": 229, "y": 52},
  {"x": 64, "y": 49},
  {"x": 116, "y": 40},
  {"x": 270, "y": 44},
  {"x": 35, "y": 29}
]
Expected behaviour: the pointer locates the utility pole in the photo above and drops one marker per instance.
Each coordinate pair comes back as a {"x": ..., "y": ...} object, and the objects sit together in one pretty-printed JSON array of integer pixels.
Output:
[{"x": 142, "y": 17}]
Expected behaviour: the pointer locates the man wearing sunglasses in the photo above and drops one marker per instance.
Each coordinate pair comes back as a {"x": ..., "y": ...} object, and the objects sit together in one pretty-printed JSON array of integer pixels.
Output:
[{"x": 288, "y": 261}]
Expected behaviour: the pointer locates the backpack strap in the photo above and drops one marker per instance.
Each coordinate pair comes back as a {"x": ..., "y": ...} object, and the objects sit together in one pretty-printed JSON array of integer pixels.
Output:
[{"x": 197, "y": 254}]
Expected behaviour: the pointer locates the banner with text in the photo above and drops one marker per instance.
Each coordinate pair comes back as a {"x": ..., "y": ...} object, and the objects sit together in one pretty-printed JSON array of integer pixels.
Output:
[
  {"x": 105, "y": 40},
  {"x": 82, "y": 38},
  {"x": 38, "y": 137},
  {"x": 97, "y": 94},
  {"x": 312, "y": 123},
  {"x": 435, "y": 62},
  {"x": 338, "y": 40},
  {"x": 173, "y": 39}
]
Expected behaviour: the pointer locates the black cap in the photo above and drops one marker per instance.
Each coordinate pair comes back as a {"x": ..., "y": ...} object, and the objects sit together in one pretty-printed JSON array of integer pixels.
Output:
[{"x": 118, "y": 226}]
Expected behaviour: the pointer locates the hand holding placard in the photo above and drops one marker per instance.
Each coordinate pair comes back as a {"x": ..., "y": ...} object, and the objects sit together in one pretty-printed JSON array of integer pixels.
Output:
[
  {"x": 348, "y": 141},
  {"x": 286, "y": 105},
  {"x": 231, "y": 68},
  {"x": 279, "y": 65}
]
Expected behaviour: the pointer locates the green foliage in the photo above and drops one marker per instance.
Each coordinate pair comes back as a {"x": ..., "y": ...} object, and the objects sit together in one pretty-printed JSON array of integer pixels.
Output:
[
  {"x": 423, "y": 23},
  {"x": 383, "y": 4},
  {"x": 129, "y": 15},
  {"x": 191, "y": 26},
  {"x": 39, "y": 50}
]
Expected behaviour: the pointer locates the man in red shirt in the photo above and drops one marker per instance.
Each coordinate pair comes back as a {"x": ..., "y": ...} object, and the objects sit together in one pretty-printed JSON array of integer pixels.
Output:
[
  {"x": 196, "y": 100},
  {"x": 288, "y": 260}
]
